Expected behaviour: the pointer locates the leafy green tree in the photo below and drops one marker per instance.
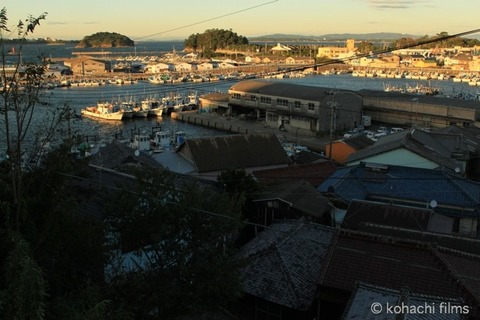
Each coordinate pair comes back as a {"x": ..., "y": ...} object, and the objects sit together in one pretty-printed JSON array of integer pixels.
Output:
[
  {"x": 182, "y": 234},
  {"x": 365, "y": 47},
  {"x": 106, "y": 39},
  {"x": 213, "y": 39}
]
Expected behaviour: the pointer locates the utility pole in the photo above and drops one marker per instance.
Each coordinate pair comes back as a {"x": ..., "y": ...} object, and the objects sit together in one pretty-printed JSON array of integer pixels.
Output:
[{"x": 333, "y": 108}]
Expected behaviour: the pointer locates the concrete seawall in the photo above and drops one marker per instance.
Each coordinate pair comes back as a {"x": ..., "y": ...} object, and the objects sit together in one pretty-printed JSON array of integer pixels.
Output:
[
  {"x": 242, "y": 126},
  {"x": 213, "y": 122}
]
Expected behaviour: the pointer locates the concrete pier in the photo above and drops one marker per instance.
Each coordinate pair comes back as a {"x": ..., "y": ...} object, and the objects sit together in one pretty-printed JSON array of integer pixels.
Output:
[{"x": 243, "y": 126}]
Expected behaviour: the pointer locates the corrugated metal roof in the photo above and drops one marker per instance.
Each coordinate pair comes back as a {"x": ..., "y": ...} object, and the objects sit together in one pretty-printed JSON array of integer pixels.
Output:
[{"x": 284, "y": 89}]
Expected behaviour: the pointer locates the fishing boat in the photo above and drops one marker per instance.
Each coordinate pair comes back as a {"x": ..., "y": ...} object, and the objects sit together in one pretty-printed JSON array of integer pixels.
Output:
[
  {"x": 104, "y": 111},
  {"x": 154, "y": 106}
]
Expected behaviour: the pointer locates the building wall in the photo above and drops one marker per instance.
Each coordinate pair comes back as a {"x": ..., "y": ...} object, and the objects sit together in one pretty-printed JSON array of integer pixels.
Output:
[
  {"x": 412, "y": 112},
  {"x": 338, "y": 111},
  {"x": 340, "y": 151}
]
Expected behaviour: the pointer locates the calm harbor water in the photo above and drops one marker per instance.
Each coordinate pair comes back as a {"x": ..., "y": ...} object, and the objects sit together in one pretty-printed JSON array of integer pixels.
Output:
[{"x": 80, "y": 97}]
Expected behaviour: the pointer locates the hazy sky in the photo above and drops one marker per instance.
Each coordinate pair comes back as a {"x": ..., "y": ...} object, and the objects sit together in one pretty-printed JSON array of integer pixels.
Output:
[{"x": 177, "y": 19}]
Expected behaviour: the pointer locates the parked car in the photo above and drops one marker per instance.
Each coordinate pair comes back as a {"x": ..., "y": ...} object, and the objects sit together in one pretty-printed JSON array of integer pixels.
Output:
[
  {"x": 382, "y": 130},
  {"x": 369, "y": 134},
  {"x": 350, "y": 133},
  {"x": 378, "y": 135},
  {"x": 394, "y": 130}
]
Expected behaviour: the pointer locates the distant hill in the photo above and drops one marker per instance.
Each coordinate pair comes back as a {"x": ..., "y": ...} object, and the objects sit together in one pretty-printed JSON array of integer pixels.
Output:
[{"x": 380, "y": 36}]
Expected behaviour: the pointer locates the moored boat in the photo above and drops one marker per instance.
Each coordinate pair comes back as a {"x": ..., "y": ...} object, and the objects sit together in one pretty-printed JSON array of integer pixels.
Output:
[{"x": 104, "y": 111}]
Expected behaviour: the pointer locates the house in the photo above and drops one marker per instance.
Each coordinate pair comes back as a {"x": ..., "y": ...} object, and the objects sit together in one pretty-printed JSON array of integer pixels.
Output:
[
  {"x": 416, "y": 148},
  {"x": 283, "y": 265},
  {"x": 340, "y": 150},
  {"x": 122, "y": 158},
  {"x": 300, "y": 270},
  {"x": 207, "y": 157},
  {"x": 471, "y": 136},
  {"x": 431, "y": 307},
  {"x": 314, "y": 173},
  {"x": 362, "y": 213},
  {"x": 293, "y": 200},
  {"x": 299, "y": 61},
  {"x": 445, "y": 193},
  {"x": 280, "y": 48}
]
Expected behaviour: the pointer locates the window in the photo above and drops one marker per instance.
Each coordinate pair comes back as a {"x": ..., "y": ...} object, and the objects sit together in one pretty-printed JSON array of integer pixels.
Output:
[
  {"x": 297, "y": 104},
  {"x": 311, "y": 106},
  {"x": 266, "y": 100},
  {"x": 282, "y": 102},
  {"x": 237, "y": 96}
]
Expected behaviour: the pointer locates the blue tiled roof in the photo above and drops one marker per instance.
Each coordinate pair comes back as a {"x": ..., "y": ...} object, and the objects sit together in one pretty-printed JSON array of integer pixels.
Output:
[{"x": 453, "y": 195}]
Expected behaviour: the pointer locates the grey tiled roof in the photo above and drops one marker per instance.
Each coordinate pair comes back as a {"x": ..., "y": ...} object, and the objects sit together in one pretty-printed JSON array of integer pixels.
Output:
[{"x": 285, "y": 262}]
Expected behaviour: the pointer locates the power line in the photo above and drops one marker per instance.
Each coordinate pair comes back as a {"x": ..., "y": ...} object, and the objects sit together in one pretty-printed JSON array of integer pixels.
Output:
[{"x": 208, "y": 20}]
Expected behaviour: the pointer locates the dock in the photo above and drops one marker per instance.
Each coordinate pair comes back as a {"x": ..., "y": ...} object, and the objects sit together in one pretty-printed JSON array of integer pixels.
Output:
[{"x": 235, "y": 125}]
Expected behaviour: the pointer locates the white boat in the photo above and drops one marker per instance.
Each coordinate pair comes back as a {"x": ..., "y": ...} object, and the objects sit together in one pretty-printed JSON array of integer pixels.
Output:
[
  {"x": 104, "y": 111},
  {"x": 127, "y": 108},
  {"x": 153, "y": 106}
]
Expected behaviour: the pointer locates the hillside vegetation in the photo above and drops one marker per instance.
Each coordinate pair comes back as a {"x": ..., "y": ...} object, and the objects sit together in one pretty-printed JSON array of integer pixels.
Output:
[{"x": 105, "y": 40}]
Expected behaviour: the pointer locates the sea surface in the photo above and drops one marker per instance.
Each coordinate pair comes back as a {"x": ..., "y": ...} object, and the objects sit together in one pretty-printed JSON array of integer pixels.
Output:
[{"x": 96, "y": 131}]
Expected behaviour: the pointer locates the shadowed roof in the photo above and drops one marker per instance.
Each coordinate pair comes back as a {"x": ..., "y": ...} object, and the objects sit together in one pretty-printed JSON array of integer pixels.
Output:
[
  {"x": 234, "y": 152},
  {"x": 285, "y": 261},
  {"x": 299, "y": 194}
]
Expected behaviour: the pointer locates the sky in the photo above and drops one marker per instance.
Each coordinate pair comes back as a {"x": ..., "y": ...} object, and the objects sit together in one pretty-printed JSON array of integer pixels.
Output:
[{"x": 149, "y": 20}]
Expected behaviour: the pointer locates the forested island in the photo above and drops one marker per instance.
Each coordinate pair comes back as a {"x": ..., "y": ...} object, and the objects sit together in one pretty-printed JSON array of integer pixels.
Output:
[{"x": 105, "y": 40}]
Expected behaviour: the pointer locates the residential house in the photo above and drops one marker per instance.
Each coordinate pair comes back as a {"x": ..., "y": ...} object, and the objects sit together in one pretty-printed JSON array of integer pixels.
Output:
[
  {"x": 361, "y": 213},
  {"x": 301, "y": 270},
  {"x": 299, "y": 61},
  {"x": 340, "y": 150},
  {"x": 416, "y": 148},
  {"x": 207, "y": 157},
  {"x": 122, "y": 158},
  {"x": 412, "y": 59},
  {"x": 284, "y": 263},
  {"x": 293, "y": 200},
  {"x": 315, "y": 173},
  {"x": 396, "y": 264},
  {"x": 445, "y": 193},
  {"x": 433, "y": 307},
  {"x": 458, "y": 62}
]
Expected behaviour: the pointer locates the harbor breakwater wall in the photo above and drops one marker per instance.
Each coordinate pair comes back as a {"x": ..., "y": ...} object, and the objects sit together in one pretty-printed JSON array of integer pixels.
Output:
[
  {"x": 241, "y": 126},
  {"x": 213, "y": 122}
]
